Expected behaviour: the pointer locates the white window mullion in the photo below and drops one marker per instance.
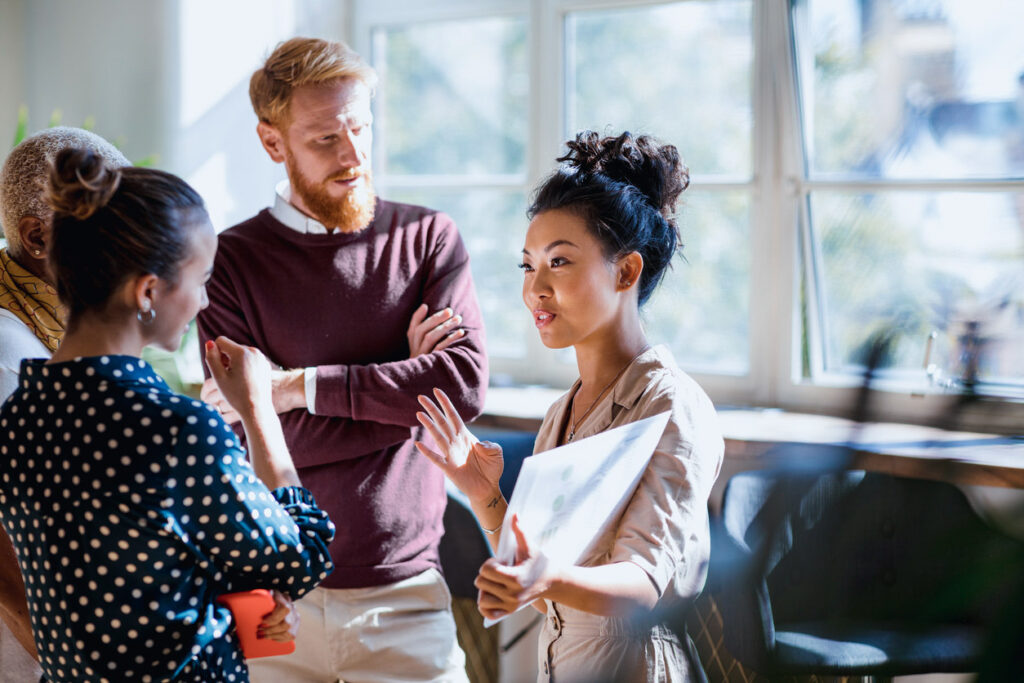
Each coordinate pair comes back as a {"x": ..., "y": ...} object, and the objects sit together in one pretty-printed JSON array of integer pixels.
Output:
[
  {"x": 547, "y": 114},
  {"x": 772, "y": 269},
  {"x": 548, "y": 87},
  {"x": 814, "y": 305}
]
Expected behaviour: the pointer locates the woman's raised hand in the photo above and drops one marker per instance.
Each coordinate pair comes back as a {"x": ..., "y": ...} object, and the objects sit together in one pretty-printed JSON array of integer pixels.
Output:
[
  {"x": 242, "y": 375},
  {"x": 473, "y": 466}
]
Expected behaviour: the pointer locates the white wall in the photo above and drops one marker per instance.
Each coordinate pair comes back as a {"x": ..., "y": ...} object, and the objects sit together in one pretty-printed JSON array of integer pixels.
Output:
[
  {"x": 213, "y": 125},
  {"x": 100, "y": 59},
  {"x": 162, "y": 77},
  {"x": 11, "y": 85}
]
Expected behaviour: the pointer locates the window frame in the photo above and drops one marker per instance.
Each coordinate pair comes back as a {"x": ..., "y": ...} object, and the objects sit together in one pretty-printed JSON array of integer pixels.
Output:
[{"x": 779, "y": 187}]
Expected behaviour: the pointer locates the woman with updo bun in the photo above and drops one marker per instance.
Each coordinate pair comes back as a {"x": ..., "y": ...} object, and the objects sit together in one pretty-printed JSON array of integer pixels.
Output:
[
  {"x": 132, "y": 508},
  {"x": 601, "y": 237}
]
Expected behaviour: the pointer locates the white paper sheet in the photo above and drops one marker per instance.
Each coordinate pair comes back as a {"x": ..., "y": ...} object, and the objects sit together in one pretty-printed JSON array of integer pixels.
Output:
[{"x": 566, "y": 497}]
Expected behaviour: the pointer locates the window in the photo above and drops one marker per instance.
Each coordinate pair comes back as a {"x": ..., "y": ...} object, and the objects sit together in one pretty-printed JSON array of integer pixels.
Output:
[
  {"x": 856, "y": 166},
  {"x": 681, "y": 71},
  {"x": 473, "y": 137},
  {"x": 451, "y": 133},
  {"x": 913, "y": 144}
]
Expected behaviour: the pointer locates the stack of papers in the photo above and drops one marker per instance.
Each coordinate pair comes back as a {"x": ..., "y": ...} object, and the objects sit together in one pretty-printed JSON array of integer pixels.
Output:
[{"x": 566, "y": 497}]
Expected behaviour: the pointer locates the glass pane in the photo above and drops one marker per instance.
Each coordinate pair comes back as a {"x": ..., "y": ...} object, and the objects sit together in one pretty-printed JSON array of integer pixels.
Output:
[
  {"x": 701, "y": 310},
  {"x": 452, "y": 97},
  {"x": 925, "y": 89},
  {"x": 680, "y": 72},
  {"x": 493, "y": 227},
  {"x": 918, "y": 262}
]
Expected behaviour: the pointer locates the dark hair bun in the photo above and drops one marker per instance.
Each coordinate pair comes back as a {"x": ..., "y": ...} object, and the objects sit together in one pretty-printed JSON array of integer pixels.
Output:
[
  {"x": 626, "y": 189},
  {"x": 657, "y": 171},
  {"x": 110, "y": 224},
  {"x": 81, "y": 183}
]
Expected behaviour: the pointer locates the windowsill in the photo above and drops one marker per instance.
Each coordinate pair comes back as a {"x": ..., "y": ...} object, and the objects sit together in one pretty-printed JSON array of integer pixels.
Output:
[
  {"x": 917, "y": 385},
  {"x": 751, "y": 434}
]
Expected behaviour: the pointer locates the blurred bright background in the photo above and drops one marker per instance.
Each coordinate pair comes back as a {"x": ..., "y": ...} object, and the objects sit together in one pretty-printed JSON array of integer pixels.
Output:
[{"x": 858, "y": 165}]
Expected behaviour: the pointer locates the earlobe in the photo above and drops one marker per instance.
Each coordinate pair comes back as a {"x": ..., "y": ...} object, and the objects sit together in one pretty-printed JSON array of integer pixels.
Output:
[{"x": 271, "y": 139}]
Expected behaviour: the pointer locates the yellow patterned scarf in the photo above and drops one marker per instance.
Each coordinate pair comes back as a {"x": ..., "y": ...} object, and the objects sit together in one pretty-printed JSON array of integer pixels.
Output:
[{"x": 32, "y": 300}]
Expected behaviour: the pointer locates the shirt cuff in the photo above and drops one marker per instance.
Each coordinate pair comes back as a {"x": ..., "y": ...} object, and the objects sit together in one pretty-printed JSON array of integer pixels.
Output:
[{"x": 310, "y": 382}]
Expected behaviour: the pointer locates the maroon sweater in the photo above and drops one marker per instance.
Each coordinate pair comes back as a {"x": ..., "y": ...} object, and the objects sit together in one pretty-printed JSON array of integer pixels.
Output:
[{"x": 342, "y": 303}]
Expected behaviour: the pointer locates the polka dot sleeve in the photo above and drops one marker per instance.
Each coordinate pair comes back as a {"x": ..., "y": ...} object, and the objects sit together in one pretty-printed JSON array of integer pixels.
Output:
[{"x": 248, "y": 535}]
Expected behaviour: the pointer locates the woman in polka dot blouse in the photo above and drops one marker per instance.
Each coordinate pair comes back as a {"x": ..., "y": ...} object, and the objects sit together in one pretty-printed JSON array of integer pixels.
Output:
[{"x": 133, "y": 508}]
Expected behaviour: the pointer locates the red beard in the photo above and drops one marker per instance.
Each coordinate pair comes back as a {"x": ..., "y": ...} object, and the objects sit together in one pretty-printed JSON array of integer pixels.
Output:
[{"x": 350, "y": 213}]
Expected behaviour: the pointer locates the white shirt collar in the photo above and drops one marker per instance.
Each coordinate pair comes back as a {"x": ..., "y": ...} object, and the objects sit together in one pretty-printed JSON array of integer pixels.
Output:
[{"x": 285, "y": 212}]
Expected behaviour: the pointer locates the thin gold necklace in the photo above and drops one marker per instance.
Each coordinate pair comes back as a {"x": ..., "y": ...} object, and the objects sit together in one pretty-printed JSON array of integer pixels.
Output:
[{"x": 573, "y": 423}]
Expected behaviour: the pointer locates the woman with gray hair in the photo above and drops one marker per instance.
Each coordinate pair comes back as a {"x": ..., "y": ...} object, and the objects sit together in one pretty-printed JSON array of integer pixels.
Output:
[
  {"x": 31, "y": 320},
  {"x": 31, "y": 326}
]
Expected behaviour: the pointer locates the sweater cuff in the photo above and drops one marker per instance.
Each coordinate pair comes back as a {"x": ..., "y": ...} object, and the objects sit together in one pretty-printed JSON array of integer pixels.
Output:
[{"x": 331, "y": 392}]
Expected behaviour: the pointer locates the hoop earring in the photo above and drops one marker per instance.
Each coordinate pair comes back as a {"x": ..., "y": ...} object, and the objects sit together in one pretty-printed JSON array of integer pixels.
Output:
[{"x": 146, "y": 315}]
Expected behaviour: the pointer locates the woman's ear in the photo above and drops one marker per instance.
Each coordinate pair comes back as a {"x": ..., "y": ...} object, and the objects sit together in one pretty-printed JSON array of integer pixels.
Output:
[
  {"x": 629, "y": 268},
  {"x": 143, "y": 293},
  {"x": 35, "y": 236}
]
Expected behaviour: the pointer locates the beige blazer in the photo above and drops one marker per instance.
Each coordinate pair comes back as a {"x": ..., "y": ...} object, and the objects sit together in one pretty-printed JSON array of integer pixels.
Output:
[{"x": 663, "y": 529}]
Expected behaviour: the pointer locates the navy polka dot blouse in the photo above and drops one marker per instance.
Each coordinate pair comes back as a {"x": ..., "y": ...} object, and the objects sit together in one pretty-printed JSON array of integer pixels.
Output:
[{"x": 132, "y": 509}]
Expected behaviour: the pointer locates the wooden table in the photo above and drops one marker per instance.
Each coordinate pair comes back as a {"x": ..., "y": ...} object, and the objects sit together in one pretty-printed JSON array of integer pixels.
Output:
[{"x": 753, "y": 435}]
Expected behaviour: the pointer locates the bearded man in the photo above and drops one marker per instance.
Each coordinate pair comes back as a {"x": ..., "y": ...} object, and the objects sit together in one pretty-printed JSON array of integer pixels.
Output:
[{"x": 364, "y": 304}]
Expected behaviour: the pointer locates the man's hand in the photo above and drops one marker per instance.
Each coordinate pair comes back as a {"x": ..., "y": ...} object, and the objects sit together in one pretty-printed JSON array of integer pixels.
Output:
[
  {"x": 433, "y": 333},
  {"x": 210, "y": 393},
  {"x": 288, "y": 389}
]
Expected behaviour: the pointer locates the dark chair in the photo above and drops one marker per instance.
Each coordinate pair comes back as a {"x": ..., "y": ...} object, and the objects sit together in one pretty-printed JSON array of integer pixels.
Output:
[
  {"x": 464, "y": 547},
  {"x": 856, "y": 574},
  {"x": 515, "y": 446}
]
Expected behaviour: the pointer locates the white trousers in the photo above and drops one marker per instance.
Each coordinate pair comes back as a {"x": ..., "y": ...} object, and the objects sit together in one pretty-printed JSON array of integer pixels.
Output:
[{"x": 403, "y": 631}]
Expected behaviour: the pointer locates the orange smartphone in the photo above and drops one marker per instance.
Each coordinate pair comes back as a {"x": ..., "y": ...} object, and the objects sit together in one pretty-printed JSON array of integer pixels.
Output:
[{"x": 248, "y": 609}]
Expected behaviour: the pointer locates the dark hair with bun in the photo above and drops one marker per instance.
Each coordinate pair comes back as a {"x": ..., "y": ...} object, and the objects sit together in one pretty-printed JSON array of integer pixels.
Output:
[
  {"x": 111, "y": 224},
  {"x": 625, "y": 188}
]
